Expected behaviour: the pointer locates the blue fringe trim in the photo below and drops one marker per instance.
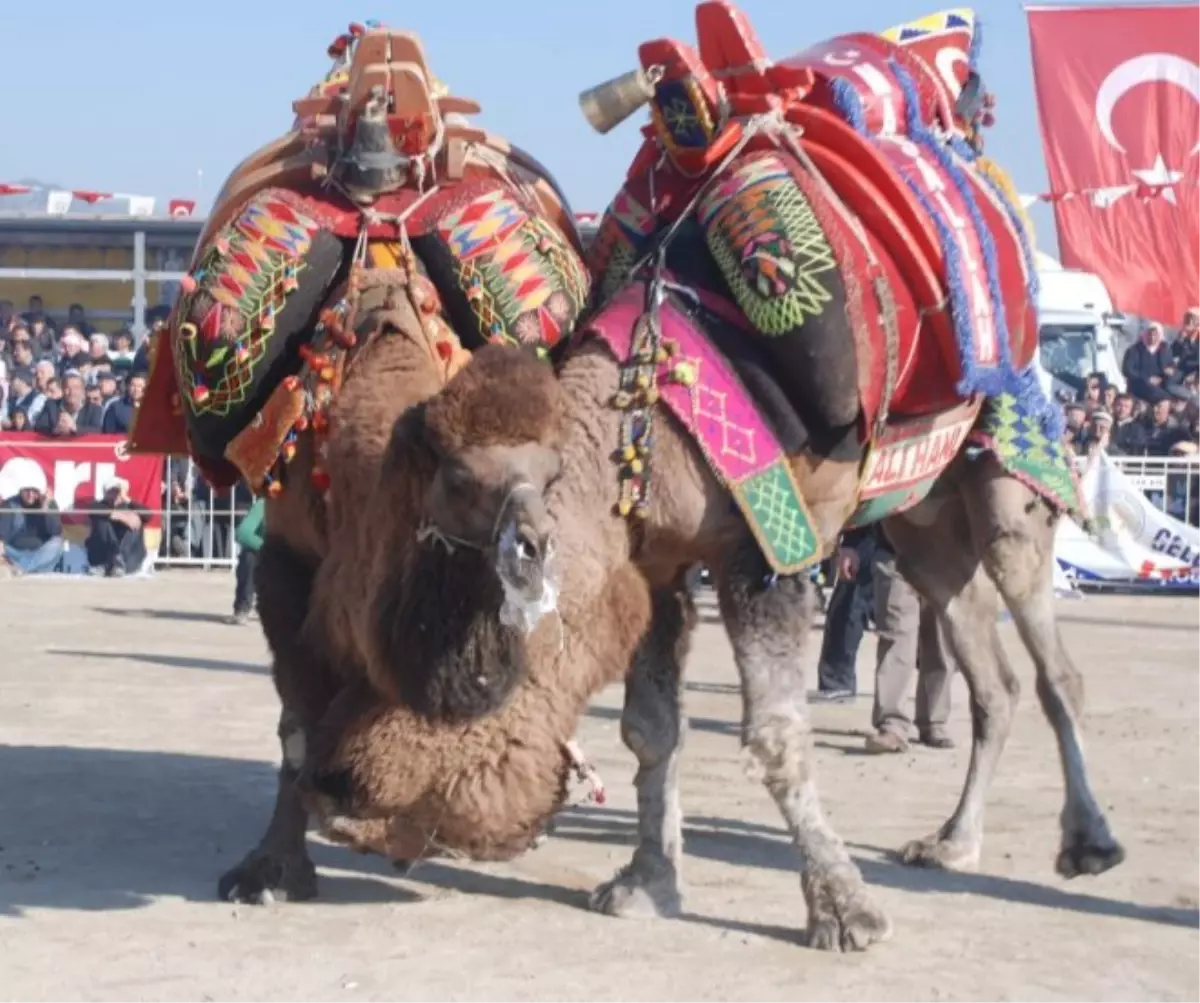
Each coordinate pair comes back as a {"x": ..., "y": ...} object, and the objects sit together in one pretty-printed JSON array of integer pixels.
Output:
[
  {"x": 988, "y": 381},
  {"x": 1033, "y": 286},
  {"x": 1032, "y": 400},
  {"x": 849, "y": 104},
  {"x": 964, "y": 149}
]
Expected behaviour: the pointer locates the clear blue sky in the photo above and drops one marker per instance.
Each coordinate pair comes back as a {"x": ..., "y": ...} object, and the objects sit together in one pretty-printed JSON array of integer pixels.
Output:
[{"x": 137, "y": 96}]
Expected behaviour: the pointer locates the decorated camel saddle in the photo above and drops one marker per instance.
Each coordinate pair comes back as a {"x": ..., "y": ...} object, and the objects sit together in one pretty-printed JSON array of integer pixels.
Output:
[
  {"x": 381, "y": 169},
  {"x": 844, "y": 187}
]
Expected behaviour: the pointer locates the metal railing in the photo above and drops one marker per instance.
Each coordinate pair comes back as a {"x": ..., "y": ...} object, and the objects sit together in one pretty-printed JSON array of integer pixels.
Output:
[
  {"x": 198, "y": 524},
  {"x": 1170, "y": 483},
  {"x": 199, "y": 532}
]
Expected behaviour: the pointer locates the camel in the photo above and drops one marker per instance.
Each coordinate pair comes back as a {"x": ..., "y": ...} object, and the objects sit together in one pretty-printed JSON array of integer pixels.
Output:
[
  {"x": 314, "y": 317},
  {"x": 673, "y": 372}
]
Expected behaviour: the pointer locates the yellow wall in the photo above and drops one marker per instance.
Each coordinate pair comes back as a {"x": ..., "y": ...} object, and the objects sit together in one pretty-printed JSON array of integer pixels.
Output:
[{"x": 57, "y": 295}]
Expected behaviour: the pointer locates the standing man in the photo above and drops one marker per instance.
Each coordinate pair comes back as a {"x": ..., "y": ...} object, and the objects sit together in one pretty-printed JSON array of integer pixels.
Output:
[
  {"x": 909, "y": 640},
  {"x": 847, "y": 616},
  {"x": 249, "y": 536}
]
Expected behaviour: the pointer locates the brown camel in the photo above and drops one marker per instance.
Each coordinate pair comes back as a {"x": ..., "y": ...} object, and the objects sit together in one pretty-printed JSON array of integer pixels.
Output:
[
  {"x": 340, "y": 268},
  {"x": 980, "y": 536},
  {"x": 750, "y": 230},
  {"x": 509, "y": 475}
]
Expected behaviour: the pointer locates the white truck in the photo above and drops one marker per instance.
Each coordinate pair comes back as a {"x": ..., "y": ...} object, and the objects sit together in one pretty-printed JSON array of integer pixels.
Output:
[{"x": 1079, "y": 332}]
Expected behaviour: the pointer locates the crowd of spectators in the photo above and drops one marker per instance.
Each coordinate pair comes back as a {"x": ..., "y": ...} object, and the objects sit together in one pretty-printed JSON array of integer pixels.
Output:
[
  {"x": 1157, "y": 413},
  {"x": 66, "y": 381},
  {"x": 70, "y": 379}
]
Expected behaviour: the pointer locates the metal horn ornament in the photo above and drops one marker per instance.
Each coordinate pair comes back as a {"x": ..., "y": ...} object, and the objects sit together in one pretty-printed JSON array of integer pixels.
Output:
[{"x": 607, "y": 105}]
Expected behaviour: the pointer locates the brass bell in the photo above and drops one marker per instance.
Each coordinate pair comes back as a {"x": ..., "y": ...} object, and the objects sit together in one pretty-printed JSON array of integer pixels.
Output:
[{"x": 607, "y": 105}]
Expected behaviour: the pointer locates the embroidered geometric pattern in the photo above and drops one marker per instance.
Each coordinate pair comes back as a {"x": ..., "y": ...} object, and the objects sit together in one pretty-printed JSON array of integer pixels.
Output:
[
  {"x": 1014, "y": 434},
  {"x": 623, "y": 232},
  {"x": 681, "y": 114},
  {"x": 778, "y": 516},
  {"x": 736, "y": 440},
  {"x": 523, "y": 281},
  {"x": 769, "y": 244},
  {"x": 247, "y": 272}
]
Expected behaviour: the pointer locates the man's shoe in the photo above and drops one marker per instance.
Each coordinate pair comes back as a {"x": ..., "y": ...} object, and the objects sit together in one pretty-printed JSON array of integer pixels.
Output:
[
  {"x": 936, "y": 740},
  {"x": 832, "y": 696},
  {"x": 886, "y": 741}
]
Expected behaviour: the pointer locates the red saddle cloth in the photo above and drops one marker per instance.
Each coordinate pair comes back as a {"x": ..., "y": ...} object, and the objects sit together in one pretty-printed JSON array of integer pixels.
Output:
[{"x": 881, "y": 123}]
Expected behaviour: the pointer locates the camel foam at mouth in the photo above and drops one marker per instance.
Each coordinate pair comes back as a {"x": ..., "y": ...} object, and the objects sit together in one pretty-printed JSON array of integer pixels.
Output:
[{"x": 516, "y": 610}]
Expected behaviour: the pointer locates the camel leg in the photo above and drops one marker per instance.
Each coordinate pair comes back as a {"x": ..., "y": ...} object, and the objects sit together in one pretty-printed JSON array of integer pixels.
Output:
[
  {"x": 654, "y": 726},
  {"x": 768, "y": 622},
  {"x": 279, "y": 867},
  {"x": 1016, "y": 534},
  {"x": 936, "y": 553}
]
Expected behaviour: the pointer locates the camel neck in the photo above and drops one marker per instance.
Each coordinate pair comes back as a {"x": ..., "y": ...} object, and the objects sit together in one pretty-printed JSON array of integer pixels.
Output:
[{"x": 592, "y": 541}]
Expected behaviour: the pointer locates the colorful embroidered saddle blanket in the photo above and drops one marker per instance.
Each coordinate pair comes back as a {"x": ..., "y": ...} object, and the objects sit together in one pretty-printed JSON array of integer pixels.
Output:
[
  {"x": 381, "y": 167},
  {"x": 680, "y": 366},
  {"x": 846, "y": 179}
]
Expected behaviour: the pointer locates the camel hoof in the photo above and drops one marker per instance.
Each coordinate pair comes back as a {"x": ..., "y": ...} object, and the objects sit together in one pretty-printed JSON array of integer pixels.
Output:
[
  {"x": 262, "y": 878},
  {"x": 1088, "y": 858},
  {"x": 944, "y": 854},
  {"x": 843, "y": 918},
  {"x": 639, "y": 892}
]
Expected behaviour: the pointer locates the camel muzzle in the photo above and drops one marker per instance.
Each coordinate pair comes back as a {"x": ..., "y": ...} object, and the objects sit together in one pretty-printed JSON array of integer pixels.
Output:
[{"x": 525, "y": 563}]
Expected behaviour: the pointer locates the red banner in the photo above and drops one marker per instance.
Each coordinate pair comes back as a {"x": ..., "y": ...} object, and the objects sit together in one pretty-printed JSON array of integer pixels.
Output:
[
  {"x": 1117, "y": 91},
  {"x": 78, "y": 469}
]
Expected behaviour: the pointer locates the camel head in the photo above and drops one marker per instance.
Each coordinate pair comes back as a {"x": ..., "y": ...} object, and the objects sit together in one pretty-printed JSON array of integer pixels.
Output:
[{"x": 495, "y": 433}]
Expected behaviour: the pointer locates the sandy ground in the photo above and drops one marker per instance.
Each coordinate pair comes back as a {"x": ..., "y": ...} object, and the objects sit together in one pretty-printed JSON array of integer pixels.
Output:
[{"x": 137, "y": 759}]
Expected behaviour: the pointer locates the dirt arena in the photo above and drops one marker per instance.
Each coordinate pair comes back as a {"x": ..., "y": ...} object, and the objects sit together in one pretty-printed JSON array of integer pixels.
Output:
[{"x": 137, "y": 758}]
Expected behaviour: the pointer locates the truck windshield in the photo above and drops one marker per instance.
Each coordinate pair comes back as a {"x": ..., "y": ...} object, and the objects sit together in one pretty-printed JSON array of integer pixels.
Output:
[{"x": 1068, "y": 352}]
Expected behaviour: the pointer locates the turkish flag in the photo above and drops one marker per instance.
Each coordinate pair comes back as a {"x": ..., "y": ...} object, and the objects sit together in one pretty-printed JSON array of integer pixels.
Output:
[{"x": 1118, "y": 94}]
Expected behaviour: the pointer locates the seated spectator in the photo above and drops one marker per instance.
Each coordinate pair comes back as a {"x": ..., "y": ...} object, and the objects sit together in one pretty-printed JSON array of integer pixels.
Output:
[
  {"x": 1097, "y": 436},
  {"x": 77, "y": 319},
  {"x": 41, "y": 328},
  {"x": 1128, "y": 435},
  {"x": 1110, "y": 397},
  {"x": 1092, "y": 396},
  {"x": 1162, "y": 433},
  {"x": 1186, "y": 349},
  {"x": 19, "y": 421},
  {"x": 72, "y": 350},
  {"x": 121, "y": 354},
  {"x": 21, "y": 352},
  {"x": 98, "y": 348},
  {"x": 118, "y": 416},
  {"x": 1149, "y": 367},
  {"x": 116, "y": 540},
  {"x": 21, "y": 393},
  {"x": 1076, "y": 433},
  {"x": 93, "y": 396},
  {"x": 107, "y": 381},
  {"x": 31, "y": 535},
  {"x": 72, "y": 415}
]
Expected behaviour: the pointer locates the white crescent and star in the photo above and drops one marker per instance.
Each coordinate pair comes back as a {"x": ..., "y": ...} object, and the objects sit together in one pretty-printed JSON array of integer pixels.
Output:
[{"x": 1150, "y": 67}]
